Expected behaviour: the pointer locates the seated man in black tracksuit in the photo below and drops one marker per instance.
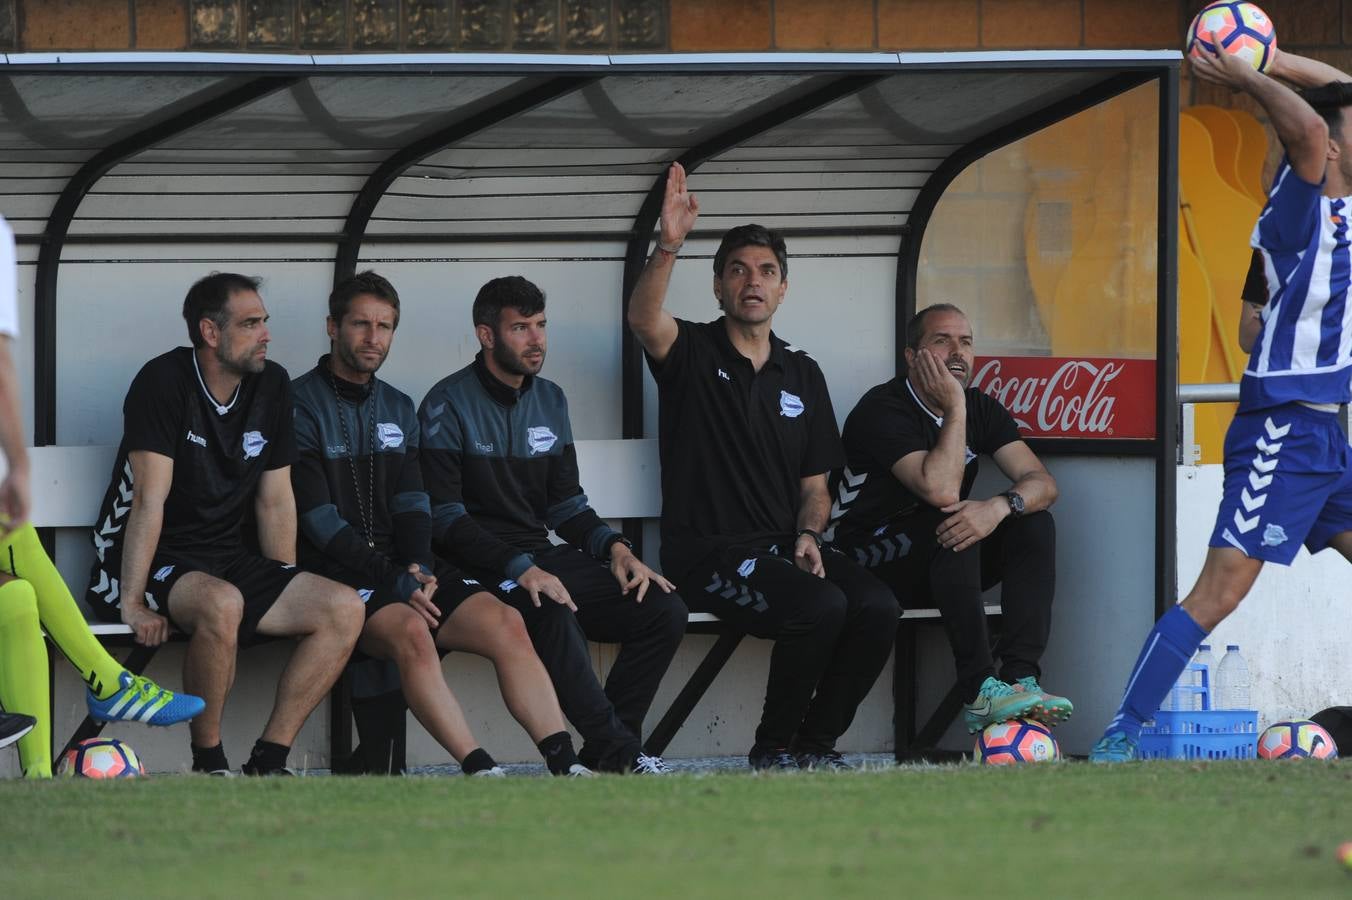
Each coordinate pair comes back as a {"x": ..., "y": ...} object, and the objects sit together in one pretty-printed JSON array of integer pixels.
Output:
[
  {"x": 365, "y": 521},
  {"x": 499, "y": 463}
]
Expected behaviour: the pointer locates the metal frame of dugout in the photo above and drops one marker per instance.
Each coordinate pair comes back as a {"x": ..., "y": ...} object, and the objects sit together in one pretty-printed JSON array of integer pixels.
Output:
[{"x": 99, "y": 121}]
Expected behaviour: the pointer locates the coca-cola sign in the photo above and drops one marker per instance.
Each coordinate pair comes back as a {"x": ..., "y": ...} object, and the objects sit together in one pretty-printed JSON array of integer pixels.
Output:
[{"x": 1059, "y": 397}]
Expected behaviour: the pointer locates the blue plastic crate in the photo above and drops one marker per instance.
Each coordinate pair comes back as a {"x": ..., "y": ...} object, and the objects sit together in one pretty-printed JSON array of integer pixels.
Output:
[{"x": 1201, "y": 734}]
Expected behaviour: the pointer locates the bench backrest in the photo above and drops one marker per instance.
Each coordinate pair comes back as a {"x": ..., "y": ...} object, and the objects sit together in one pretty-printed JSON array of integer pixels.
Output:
[{"x": 619, "y": 476}]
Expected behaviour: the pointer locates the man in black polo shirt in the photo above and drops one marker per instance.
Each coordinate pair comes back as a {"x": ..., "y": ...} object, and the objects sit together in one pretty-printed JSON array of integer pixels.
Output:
[
  {"x": 903, "y": 511},
  {"x": 207, "y": 438},
  {"x": 499, "y": 464},
  {"x": 747, "y": 437}
]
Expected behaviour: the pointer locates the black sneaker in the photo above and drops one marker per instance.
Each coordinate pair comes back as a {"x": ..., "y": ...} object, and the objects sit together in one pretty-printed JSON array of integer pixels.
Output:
[
  {"x": 14, "y": 726},
  {"x": 249, "y": 768},
  {"x": 829, "y": 761},
  {"x": 774, "y": 759}
]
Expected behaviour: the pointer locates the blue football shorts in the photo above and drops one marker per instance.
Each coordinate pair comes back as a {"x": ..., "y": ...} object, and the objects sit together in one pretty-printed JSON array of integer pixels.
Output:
[{"x": 1287, "y": 482}]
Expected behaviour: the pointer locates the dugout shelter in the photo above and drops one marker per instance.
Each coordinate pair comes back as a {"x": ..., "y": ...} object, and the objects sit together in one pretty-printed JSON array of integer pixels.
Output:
[{"x": 1035, "y": 189}]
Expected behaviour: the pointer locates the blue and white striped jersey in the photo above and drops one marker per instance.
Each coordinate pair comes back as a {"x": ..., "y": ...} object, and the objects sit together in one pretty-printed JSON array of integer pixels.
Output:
[{"x": 1304, "y": 351}]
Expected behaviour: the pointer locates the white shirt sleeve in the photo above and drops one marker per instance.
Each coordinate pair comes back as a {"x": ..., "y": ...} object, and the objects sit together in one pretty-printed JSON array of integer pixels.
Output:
[{"x": 9, "y": 289}]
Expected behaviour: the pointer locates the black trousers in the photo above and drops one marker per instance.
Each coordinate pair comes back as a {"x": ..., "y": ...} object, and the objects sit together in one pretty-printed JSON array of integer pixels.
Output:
[
  {"x": 1020, "y": 555},
  {"x": 610, "y": 720},
  {"x": 832, "y": 635}
]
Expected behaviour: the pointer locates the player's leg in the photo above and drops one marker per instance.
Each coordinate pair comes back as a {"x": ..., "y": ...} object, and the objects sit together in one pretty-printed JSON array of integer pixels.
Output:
[
  {"x": 324, "y": 617},
  {"x": 861, "y": 652},
  {"x": 768, "y": 596},
  {"x": 562, "y": 648},
  {"x": 23, "y": 674},
  {"x": 396, "y": 631},
  {"x": 1020, "y": 556},
  {"x": 648, "y": 633},
  {"x": 480, "y": 623},
  {"x": 209, "y": 610},
  {"x": 113, "y": 694}
]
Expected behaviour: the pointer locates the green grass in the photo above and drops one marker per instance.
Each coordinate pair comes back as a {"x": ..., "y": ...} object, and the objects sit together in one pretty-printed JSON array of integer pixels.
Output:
[{"x": 1072, "y": 830}]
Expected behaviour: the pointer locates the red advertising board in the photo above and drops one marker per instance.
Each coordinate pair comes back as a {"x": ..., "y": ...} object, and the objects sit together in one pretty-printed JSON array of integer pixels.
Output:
[{"x": 1078, "y": 397}]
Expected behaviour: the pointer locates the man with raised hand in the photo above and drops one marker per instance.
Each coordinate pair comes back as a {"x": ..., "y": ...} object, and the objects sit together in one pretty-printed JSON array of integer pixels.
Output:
[
  {"x": 34, "y": 598},
  {"x": 904, "y": 511},
  {"x": 747, "y": 436},
  {"x": 499, "y": 463},
  {"x": 207, "y": 438},
  {"x": 366, "y": 521},
  {"x": 1288, "y": 478}
]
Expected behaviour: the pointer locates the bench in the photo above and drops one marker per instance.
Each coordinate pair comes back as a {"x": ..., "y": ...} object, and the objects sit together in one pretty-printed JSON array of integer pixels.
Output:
[{"x": 68, "y": 484}]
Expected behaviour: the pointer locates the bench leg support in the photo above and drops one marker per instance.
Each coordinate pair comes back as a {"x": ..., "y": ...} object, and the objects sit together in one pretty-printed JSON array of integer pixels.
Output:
[{"x": 694, "y": 689}]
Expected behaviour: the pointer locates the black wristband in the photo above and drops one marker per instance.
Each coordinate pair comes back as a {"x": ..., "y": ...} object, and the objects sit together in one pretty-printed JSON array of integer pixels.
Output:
[
  {"x": 817, "y": 538},
  {"x": 617, "y": 538}
]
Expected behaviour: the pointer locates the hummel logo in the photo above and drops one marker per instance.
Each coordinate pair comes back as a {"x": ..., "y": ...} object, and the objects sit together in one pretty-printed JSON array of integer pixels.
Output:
[
  {"x": 196, "y": 439},
  {"x": 724, "y": 375}
]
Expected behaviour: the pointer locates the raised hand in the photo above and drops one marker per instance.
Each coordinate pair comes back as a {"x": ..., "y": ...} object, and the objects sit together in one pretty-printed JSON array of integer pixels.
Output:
[
  {"x": 1220, "y": 67},
  {"x": 937, "y": 384},
  {"x": 680, "y": 209}
]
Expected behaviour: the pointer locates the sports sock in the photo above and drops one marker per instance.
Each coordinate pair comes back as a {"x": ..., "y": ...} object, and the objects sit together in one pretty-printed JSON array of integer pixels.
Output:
[
  {"x": 23, "y": 675},
  {"x": 1167, "y": 650},
  {"x": 209, "y": 759},
  {"x": 557, "y": 749},
  {"x": 266, "y": 757},
  {"x": 22, "y": 554},
  {"x": 477, "y": 760}
]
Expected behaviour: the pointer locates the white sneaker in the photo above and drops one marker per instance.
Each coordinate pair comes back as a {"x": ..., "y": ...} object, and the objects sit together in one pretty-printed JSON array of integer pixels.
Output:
[
  {"x": 495, "y": 772},
  {"x": 650, "y": 765},
  {"x": 577, "y": 770}
]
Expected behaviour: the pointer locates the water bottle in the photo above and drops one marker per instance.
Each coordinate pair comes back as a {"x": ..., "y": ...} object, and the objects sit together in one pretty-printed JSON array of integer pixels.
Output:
[
  {"x": 1204, "y": 679},
  {"x": 1232, "y": 680}
]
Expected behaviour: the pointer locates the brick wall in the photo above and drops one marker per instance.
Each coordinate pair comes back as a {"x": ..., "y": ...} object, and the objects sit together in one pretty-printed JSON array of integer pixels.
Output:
[{"x": 1321, "y": 28}]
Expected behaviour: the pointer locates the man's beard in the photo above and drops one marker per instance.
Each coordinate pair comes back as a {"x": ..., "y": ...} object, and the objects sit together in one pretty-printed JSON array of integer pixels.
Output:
[
  {"x": 514, "y": 364},
  {"x": 245, "y": 364},
  {"x": 355, "y": 362}
]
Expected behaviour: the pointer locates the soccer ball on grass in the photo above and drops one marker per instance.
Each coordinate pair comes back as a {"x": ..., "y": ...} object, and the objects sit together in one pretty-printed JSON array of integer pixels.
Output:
[
  {"x": 1296, "y": 740},
  {"x": 1016, "y": 741},
  {"x": 100, "y": 758}
]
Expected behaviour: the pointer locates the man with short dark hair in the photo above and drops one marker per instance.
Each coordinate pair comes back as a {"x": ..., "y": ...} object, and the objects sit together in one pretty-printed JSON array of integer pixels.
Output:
[
  {"x": 366, "y": 521},
  {"x": 207, "y": 439},
  {"x": 905, "y": 513},
  {"x": 747, "y": 437},
  {"x": 499, "y": 463}
]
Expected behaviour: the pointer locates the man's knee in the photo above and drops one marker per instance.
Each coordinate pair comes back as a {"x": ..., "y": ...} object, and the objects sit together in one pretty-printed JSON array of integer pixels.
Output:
[
  {"x": 877, "y": 609},
  {"x": 346, "y": 613},
  {"x": 214, "y": 608},
  {"x": 820, "y": 608},
  {"x": 1033, "y": 533},
  {"x": 667, "y": 613}
]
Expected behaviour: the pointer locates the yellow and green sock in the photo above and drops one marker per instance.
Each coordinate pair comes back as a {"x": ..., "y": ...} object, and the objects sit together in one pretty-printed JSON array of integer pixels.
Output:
[{"x": 23, "y": 674}]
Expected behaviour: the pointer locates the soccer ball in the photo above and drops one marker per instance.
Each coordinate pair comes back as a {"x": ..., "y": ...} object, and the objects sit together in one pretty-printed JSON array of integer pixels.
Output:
[
  {"x": 1244, "y": 30},
  {"x": 1296, "y": 740},
  {"x": 100, "y": 758},
  {"x": 1016, "y": 741}
]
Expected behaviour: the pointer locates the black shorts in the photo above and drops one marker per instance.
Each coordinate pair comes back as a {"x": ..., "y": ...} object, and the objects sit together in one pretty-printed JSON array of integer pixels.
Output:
[
  {"x": 454, "y": 587},
  {"x": 260, "y": 580}
]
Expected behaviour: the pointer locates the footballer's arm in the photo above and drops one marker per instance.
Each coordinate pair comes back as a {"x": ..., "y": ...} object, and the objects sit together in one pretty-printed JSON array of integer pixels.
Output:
[
  {"x": 275, "y": 508},
  {"x": 153, "y": 475},
  {"x": 655, "y": 328}
]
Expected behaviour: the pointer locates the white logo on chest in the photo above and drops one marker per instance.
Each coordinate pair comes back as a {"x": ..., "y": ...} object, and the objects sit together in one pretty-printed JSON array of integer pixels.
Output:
[
  {"x": 540, "y": 439},
  {"x": 724, "y": 375},
  {"x": 790, "y": 405},
  {"x": 254, "y": 442},
  {"x": 196, "y": 439},
  {"x": 389, "y": 434}
]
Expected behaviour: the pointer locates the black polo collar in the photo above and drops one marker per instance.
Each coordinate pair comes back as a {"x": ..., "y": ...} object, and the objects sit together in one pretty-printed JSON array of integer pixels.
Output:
[
  {"x": 502, "y": 394},
  {"x": 778, "y": 348}
]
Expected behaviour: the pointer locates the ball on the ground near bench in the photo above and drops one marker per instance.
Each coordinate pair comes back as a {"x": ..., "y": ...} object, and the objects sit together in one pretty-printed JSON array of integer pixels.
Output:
[
  {"x": 1344, "y": 854},
  {"x": 1242, "y": 28},
  {"x": 1296, "y": 740},
  {"x": 1016, "y": 741},
  {"x": 100, "y": 758}
]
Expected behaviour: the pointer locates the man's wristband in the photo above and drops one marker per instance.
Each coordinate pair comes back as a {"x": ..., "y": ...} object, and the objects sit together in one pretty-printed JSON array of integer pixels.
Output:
[
  {"x": 816, "y": 538},
  {"x": 617, "y": 538},
  {"x": 671, "y": 250}
]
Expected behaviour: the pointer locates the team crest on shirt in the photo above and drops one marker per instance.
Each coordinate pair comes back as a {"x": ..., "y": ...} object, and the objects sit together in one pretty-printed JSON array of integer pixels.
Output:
[
  {"x": 967, "y": 460},
  {"x": 254, "y": 442},
  {"x": 790, "y": 405},
  {"x": 164, "y": 573},
  {"x": 389, "y": 434},
  {"x": 365, "y": 594},
  {"x": 540, "y": 438}
]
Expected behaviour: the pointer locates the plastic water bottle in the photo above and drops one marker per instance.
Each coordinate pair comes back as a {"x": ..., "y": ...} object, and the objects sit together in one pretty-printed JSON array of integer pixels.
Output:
[
  {"x": 1232, "y": 680},
  {"x": 1204, "y": 682}
]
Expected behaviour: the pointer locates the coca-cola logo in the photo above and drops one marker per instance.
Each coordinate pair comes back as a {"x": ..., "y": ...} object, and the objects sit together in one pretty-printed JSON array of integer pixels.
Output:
[{"x": 1055, "y": 397}]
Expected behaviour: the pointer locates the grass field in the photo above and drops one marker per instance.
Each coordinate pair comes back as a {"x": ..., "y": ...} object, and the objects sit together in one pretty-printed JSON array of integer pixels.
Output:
[{"x": 1070, "y": 830}]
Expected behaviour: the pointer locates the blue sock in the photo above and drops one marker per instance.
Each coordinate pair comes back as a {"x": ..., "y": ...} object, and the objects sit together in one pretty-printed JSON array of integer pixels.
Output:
[{"x": 1167, "y": 649}]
